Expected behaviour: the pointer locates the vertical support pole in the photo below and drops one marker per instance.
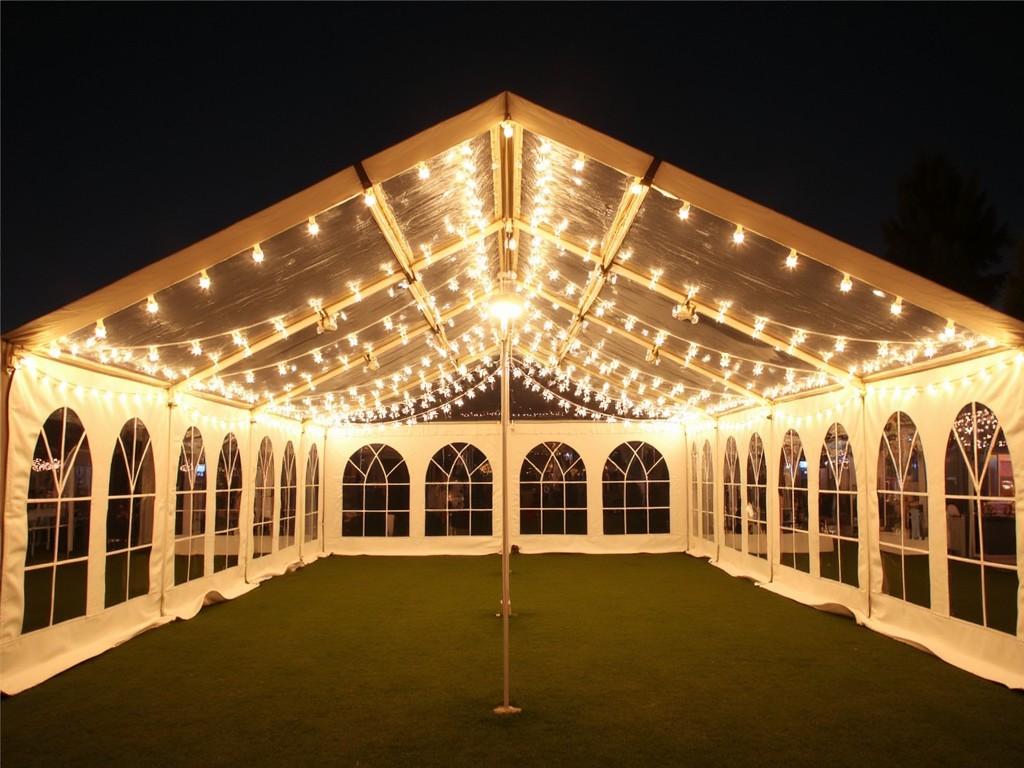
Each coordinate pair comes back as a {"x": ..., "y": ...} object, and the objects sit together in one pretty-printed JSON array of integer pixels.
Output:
[{"x": 506, "y": 593}]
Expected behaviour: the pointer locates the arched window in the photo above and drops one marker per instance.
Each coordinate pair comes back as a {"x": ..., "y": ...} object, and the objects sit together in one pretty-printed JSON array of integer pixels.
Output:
[
  {"x": 311, "y": 523},
  {"x": 757, "y": 499},
  {"x": 553, "y": 491},
  {"x": 838, "y": 529},
  {"x": 981, "y": 521},
  {"x": 459, "y": 483},
  {"x": 793, "y": 536},
  {"x": 263, "y": 502},
  {"x": 58, "y": 503},
  {"x": 732, "y": 511},
  {"x": 130, "y": 514},
  {"x": 635, "y": 490},
  {"x": 694, "y": 491},
  {"x": 903, "y": 512},
  {"x": 289, "y": 499},
  {"x": 375, "y": 493},
  {"x": 190, "y": 509},
  {"x": 707, "y": 493},
  {"x": 229, "y": 504}
]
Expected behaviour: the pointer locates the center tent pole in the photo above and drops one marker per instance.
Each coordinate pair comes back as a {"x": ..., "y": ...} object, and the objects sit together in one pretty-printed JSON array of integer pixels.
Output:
[{"x": 506, "y": 595}]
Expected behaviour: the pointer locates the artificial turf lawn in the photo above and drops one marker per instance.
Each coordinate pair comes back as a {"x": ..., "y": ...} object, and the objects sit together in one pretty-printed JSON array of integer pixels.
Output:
[{"x": 617, "y": 660}]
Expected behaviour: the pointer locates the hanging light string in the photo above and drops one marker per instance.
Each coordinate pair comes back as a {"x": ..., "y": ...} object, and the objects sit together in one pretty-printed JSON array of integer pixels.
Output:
[
  {"x": 465, "y": 386},
  {"x": 462, "y": 175},
  {"x": 579, "y": 409},
  {"x": 556, "y": 378},
  {"x": 425, "y": 383}
]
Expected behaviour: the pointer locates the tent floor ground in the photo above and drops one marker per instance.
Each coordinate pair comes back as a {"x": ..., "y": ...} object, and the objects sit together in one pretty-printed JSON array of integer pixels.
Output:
[{"x": 623, "y": 659}]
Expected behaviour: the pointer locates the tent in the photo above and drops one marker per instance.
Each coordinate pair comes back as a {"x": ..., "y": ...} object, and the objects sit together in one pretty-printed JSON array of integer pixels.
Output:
[{"x": 690, "y": 372}]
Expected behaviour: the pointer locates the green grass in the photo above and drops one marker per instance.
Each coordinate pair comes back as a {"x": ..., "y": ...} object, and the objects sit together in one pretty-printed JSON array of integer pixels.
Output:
[{"x": 617, "y": 660}]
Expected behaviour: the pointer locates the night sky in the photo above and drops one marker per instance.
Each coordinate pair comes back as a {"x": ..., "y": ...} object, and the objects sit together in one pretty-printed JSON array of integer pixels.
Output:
[{"x": 130, "y": 132}]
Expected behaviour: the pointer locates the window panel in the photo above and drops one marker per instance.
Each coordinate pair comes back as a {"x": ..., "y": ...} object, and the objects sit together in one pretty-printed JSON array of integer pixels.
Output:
[
  {"x": 58, "y": 511},
  {"x": 311, "y": 508},
  {"x": 459, "y": 492},
  {"x": 793, "y": 539},
  {"x": 129, "y": 514},
  {"x": 376, "y": 490},
  {"x": 632, "y": 475},
  {"x": 981, "y": 520},
  {"x": 228, "y": 500}
]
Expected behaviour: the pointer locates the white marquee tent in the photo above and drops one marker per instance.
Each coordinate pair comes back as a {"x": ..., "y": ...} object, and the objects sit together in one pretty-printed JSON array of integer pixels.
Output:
[{"x": 692, "y": 372}]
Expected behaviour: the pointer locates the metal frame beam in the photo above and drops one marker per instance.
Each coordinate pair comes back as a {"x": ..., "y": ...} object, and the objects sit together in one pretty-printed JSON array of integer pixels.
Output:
[
  {"x": 662, "y": 352},
  {"x": 335, "y": 306},
  {"x": 706, "y": 309},
  {"x": 383, "y": 349},
  {"x": 624, "y": 217}
]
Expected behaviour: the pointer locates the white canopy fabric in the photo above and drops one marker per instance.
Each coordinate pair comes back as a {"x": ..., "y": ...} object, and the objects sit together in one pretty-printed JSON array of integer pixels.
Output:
[{"x": 662, "y": 313}]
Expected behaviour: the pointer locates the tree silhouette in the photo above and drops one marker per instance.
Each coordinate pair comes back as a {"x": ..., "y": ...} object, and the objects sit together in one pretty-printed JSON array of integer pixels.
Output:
[
  {"x": 946, "y": 229},
  {"x": 1013, "y": 296}
]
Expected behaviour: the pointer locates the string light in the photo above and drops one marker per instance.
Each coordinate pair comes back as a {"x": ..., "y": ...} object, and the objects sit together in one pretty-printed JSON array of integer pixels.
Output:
[
  {"x": 949, "y": 331},
  {"x": 312, "y": 227},
  {"x": 100, "y": 332},
  {"x": 257, "y": 254},
  {"x": 370, "y": 199},
  {"x": 792, "y": 259},
  {"x": 204, "y": 280},
  {"x": 506, "y": 129},
  {"x": 896, "y": 307},
  {"x": 846, "y": 284},
  {"x": 738, "y": 235},
  {"x": 578, "y": 163},
  {"x": 684, "y": 212},
  {"x": 151, "y": 306},
  {"x": 423, "y": 171}
]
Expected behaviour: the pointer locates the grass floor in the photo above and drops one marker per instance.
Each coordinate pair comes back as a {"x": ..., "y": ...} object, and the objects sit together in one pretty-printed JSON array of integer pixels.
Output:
[{"x": 617, "y": 660}]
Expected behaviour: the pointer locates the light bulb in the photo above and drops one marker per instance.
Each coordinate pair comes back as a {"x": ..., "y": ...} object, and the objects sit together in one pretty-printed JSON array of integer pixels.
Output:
[
  {"x": 370, "y": 199},
  {"x": 257, "y": 254},
  {"x": 949, "y": 331},
  {"x": 100, "y": 332},
  {"x": 738, "y": 236},
  {"x": 578, "y": 163},
  {"x": 312, "y": 227},
  {"x": 878, "y": 293},
  {"x": 506, "y": 129},
  {"x": 423, "y": 171},
  {"x": 846, "y": 285},
  {"x": 636, "y": 188},
  {"x": 896, "y": 307},
  {"x": 151, "y": 306},
  {"x": 204, "y": 280},
  {"x": 684, "y": 212},
  {"x": 792, "y": 259}
]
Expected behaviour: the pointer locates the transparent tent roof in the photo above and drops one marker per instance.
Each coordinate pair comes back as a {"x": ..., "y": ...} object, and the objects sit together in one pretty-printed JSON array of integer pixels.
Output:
[{"x": 649, "y": 294}]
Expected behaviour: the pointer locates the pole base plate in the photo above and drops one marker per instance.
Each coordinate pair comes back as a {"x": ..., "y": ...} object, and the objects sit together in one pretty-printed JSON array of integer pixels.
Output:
[{"x": 507, "y": 710}]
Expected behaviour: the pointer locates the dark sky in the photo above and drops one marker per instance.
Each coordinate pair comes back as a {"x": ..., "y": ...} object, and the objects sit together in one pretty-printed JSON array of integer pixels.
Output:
[{"x": 130, "y": 131}]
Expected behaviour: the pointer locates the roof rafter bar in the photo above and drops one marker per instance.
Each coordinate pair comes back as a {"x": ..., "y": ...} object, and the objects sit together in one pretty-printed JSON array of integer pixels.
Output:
[
  {"x": 383, "y": 349},
  {"x": 332, "y": 308},
  {"x": 646, "y": 344},
  {"x": 312, "y": 318},
  {"x": 740, "y": 325},
  {"x": 633, "y": 276},
  {"x": 624, "y": 217},
  {"x": 388, "y": 225}
]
